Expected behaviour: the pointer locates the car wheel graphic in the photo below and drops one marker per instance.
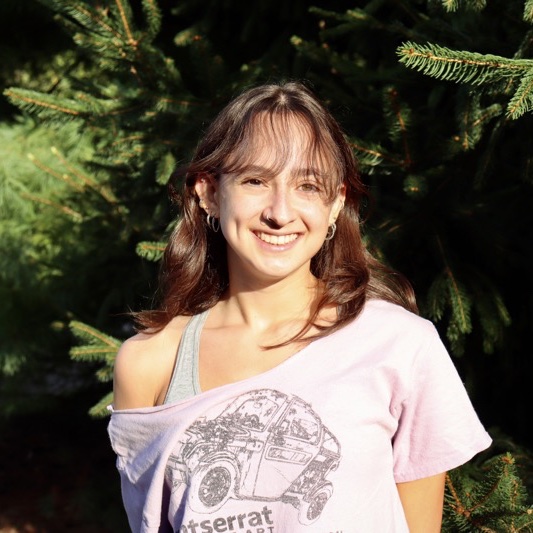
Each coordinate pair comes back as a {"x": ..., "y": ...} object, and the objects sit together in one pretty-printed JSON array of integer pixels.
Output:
[
  {"x": 310, "y": 511},
  {"x": 211, "y": 486}
]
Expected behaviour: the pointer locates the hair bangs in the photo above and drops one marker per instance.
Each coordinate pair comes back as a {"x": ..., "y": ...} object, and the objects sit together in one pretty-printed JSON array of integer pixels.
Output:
[{"x": 272, "y": 140}]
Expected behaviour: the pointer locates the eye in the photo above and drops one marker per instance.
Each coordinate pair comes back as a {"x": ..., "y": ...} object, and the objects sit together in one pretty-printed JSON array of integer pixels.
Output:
[
  {"x": 252, "y": 181},
  {"x": 309, "y": 186}
]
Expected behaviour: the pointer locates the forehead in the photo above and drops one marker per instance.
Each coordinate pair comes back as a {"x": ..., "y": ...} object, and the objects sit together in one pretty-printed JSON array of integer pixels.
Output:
[{"x": 275, "y": 142}]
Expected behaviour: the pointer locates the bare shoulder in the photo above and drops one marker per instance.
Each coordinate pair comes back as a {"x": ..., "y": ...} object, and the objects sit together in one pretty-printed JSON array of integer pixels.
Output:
[{"x": 144, "y": 365}]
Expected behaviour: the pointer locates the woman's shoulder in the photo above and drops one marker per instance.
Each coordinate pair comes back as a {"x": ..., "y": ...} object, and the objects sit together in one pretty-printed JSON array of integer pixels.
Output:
[
  {"x": 380, "y": 309},
  {"x": 144, "y": 364},
  {"x": 395, "y": 319}
]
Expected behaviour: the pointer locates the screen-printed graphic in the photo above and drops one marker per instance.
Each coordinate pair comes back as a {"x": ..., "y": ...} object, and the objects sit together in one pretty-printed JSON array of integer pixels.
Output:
[{"x": 264, "y": 446}]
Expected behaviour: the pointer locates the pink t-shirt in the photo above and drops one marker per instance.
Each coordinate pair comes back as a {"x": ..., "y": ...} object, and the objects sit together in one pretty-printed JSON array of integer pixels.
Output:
[{"x": 317, "y": 444}]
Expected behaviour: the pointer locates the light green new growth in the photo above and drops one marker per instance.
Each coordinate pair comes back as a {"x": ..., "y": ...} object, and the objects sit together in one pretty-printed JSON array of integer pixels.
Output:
[
  {"x": 474, "y": 69},
  {"x": 454, "y": 5},
  {"x": 460, "y": 66},
  {"x": 528, "y": 11},
  {"x": 96, "y": 347},
  {"x": 497, "y": 502},
  {"x": 152, "y": 251}
]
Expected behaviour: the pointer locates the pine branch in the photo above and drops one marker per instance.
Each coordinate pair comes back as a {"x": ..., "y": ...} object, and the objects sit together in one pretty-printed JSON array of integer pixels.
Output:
[
  {"x": 77, "y": 217},
  {"x": 152, "y": 251},
  {"x": 528, "y": 11},
  {"x": 105, "y": 374},
  {"x": 92, "y": 336},
  {"x": 57, "y": 108},
  {"x": 93, "y": 353},
  {"x": 357, "y": 18},
  {"x": 460, "y": 302},
  {"x": 153, "y": 16},
  {"x": 188, "y": 36},
  {"x": 522, "y": 101},
  {"x": 65, "y": 178},
  {"x": 43, "y": 105},
  {"x": 453, "y": 5},
  {"x": 114, "y": 43},
  {"x": 124, "y": 10},
  {"x": 472, "y": 119},
  {"x": 352, "y": 15},
  {"x": 165, "y": 166},
  {"x": 436, "y": 298},
  {"x": 495, "y": 502},
  {"x": 105, "y": 192},
  {"x": 415, "y": 185},
  {"x": 493, "y": 317},
  {"x": 85, "y": 16},
  {"x": 373, "y": 155},
  {"x": 97, "y": 347},
  {"x": 398, "y": 117},
  {"x": 100, "y": 410},
  {"x": 460, "y": 66}
]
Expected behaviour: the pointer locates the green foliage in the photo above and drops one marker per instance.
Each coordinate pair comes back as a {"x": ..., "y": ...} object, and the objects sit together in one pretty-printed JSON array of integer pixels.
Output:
[
  {"x": 100, "y": 348},
  {"x": 97, "y": 346},
  {"x": 494, "y": 501},
  {"x": 415, "y": 144},
  {"x": 475, "y": 69},
  {"x": 82, "y": 186},
  {"x": 103, "y": 120},
  {"x": 36, "y": 205},
  {"x": 462, "y": 67},
  {"x": 128, "y": 102},
  {"x": 511, "y": 76},
  {"x": 528, "y": 11},
  {"x": 152, "y": 251},
  {"x": 454, "y": 5}
]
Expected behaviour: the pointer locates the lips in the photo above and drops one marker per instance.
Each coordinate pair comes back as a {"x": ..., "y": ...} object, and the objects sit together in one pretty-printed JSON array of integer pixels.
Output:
[{"x": 277, "y": 240}]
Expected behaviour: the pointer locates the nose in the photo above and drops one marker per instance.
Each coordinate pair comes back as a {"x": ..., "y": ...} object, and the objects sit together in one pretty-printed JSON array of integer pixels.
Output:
[{"x": 280, "y": 210}]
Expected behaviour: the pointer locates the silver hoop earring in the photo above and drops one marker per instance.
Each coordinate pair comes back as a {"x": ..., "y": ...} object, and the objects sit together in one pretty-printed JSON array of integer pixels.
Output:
[
  {"x": 331, "y": 232},
  {"x": 213, "y": 223}
]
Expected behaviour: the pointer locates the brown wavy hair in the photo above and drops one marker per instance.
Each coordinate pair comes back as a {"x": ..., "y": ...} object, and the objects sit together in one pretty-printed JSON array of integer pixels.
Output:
[{"x": 194, "y": 273}]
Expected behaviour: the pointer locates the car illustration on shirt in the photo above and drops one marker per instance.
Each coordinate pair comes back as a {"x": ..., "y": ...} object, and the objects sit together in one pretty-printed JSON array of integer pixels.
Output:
[{"x": 265, "y": 445}]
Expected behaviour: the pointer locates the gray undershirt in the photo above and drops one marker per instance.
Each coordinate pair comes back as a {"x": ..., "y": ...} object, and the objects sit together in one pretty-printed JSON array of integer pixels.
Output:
[{"x": 185, "y": 381}]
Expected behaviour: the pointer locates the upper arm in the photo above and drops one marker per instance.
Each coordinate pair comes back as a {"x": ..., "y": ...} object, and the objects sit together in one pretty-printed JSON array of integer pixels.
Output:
[
  {"x": 134, "y": 380},
  {"x": 144, "y": 365},
  {"x": 422, "y": 502}
]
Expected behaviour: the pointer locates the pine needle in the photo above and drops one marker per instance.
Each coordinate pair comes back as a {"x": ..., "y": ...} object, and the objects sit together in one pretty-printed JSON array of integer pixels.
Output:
[
  {"x": 460, "y": 66},
  {"x": 92, "y": 336},
  {"x": 152, "y": 251},
  {"x": 522, "y": 101},
  {"x": 34, "y": 101},
  {"x": 528, "y": 11},
  {"x": 100, "y": 410},
  {"x": 153, "y": 16},
  {"x": 125, "y": 16}
]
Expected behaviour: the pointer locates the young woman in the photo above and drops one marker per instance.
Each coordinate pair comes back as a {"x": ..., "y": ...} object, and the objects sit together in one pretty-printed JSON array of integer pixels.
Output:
[{"x": 285, "y": 382}]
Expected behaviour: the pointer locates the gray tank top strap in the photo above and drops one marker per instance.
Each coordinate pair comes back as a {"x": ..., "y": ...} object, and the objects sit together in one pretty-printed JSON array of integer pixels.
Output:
[{"x": 185, "y": 381}]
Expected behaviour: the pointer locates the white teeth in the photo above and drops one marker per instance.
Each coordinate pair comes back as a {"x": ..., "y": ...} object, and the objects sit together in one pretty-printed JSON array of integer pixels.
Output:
[{"x": 277, "y": 239}]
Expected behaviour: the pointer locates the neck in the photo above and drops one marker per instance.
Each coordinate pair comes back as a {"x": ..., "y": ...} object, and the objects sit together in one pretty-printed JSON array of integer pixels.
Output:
[{"x": 263, "y": 305}]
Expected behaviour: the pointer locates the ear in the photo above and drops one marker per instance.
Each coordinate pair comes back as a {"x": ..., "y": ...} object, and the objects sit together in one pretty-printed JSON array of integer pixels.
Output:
[
  {"x": 206, "y": 188},
  {"x": 338, "y": 204}
]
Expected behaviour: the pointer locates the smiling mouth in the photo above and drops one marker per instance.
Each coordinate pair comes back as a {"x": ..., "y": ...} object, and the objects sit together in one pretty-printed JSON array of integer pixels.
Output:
[{"x": 277, "y": 239}]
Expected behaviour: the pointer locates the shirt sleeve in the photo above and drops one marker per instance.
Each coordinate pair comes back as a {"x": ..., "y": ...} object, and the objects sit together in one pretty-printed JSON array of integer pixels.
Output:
[{"x": 438, "y": 427}]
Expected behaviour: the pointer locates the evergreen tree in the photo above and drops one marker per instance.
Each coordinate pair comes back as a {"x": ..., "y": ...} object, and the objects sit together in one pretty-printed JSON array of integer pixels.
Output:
[
  {"x": 496, "y": 502},
  {"x": 449, "y": 167},
  {"x": 450, "y": 172}
]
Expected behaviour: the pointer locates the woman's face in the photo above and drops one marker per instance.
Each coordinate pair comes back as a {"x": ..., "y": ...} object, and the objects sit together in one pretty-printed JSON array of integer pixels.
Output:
[{"x": 274, "y": 221}]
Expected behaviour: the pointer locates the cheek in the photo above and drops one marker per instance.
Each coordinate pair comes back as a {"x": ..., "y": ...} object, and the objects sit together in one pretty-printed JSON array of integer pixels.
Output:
[
  {"x": 319, "y": 216},
  {"x": 235, "y": 209}
]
